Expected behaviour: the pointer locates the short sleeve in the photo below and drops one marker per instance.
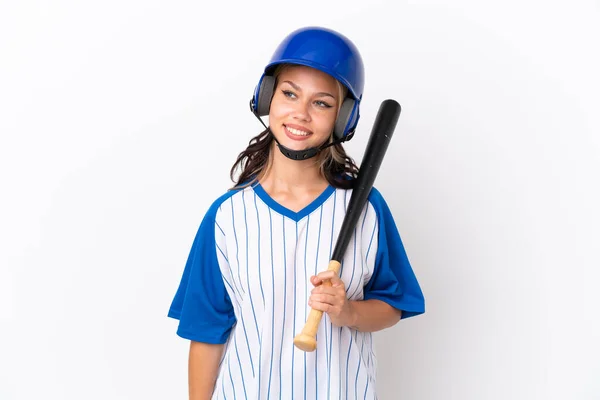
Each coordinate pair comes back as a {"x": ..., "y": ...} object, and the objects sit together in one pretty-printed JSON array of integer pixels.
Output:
[
  {"x": 393, "y": 280},
  {"x": 201, "y": 303}
]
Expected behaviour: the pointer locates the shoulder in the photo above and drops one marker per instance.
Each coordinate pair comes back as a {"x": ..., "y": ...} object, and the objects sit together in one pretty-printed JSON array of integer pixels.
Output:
[
  {"x": 375, "y": 197},
  {"x": 375, "y": 201},
  {"x": 380, "y": 206},
  {"x": 215, "y": 207}
]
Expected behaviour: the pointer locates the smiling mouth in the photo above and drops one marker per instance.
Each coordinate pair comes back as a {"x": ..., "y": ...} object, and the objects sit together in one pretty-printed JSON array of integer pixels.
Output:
[{"x": 297, "y": 132}]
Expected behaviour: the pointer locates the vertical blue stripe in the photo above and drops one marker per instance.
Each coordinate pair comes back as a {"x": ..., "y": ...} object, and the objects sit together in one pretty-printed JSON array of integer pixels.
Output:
[
  {"x": 326, "y": 319},
  {"x": 295, "y": 255},
  {"x": 219, "y": 226},
  {"x": 364, "y": 219},
  {"x": 247, "y": 269},
  {"x": 260, "y": 351},
  {"x": 348, "y": 364},
  {"x": 325, "y": 323},
  {"x": 231, "y": 378},
  {"x": 339, "y": 362},
  {"x": 317, "y": 336},
  {"x": 317, "y": 348},
  {"x": 230, "y": 287},
  {"x": 284, "y": 301},
  {"x": 366, "y": 387},
  {"x": 223, "y": 254},
  {"x": 223, "y": 384},
  {"x": 273, "y": 302},
  {"x": 241, "y": 369},
  {"x": 371, "y": 241},
  {"x": 359, "y": 363},
  {"x": 259, "y": 268},
  {"x": 306, "y": 282},
  {"x": 242, "y": 319},
  {"x": 370, "y": 349},
  {"x": 363, "y": 260},
  {"x": 236, "y": 248}
]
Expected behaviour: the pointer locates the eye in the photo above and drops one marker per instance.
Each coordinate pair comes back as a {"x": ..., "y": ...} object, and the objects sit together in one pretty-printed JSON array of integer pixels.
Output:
[
  {"x": 323, "y": 104},
  {"x": 289, "y": 94}
]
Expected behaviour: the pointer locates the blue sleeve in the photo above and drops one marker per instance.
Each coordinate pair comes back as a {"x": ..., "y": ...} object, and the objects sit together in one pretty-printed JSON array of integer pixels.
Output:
[
  {"x": 202, "y": 304},
  {"x": 393, "y": 280}
]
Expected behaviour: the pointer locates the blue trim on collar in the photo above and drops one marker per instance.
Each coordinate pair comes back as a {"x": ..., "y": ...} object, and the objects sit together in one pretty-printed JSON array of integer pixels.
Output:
[{"x": 296, "y": 216}]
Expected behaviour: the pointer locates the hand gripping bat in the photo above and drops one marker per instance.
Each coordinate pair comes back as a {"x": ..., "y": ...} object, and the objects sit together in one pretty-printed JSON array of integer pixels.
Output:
[{"x": 383, "y": 129}]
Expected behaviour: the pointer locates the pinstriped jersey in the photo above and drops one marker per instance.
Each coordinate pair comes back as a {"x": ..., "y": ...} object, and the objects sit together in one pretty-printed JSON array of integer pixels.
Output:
[{"x": 246, "y": 284}]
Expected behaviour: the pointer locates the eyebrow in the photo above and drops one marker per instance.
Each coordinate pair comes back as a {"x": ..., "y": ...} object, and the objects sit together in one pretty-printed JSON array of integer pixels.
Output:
[{"x": 296, "y": 87}]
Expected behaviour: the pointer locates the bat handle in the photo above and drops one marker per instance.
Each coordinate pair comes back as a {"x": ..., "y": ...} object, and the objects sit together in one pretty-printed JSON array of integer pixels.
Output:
[{"x": 307, "y": 339}]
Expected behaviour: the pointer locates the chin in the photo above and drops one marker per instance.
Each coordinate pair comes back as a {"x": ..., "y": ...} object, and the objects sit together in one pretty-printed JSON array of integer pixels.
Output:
[{"x": 297, "y": 147}]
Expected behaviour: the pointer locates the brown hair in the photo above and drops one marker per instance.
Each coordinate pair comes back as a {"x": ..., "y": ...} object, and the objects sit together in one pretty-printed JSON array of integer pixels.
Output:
[{"x": 335, "y": 165}]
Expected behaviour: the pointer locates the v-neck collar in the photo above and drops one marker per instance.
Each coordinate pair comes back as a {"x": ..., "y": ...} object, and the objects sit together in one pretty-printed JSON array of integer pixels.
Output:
[{"x": 296, "y": 216}]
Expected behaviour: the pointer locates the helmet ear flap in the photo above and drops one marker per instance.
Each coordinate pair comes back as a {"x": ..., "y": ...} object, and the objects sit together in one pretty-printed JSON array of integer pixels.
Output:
[
  {"x": 346, "y": 118},
  {"x": 265, "y": 95}
]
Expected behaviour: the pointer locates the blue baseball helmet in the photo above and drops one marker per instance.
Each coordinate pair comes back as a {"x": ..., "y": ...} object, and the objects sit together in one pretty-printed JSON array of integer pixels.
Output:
[{"x": 327, "y": 51}]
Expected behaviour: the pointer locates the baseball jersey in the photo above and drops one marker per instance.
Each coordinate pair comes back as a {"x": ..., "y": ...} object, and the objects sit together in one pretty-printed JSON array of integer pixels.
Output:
[{"x": 246, "y": 285}]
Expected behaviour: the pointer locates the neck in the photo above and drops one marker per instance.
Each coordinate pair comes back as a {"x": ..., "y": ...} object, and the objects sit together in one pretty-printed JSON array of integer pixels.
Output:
[{"x": 286, "y": 173}]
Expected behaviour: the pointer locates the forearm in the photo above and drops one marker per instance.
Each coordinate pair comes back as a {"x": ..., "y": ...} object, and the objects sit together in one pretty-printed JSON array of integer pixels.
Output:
[
  {"x": 203, "y": 368},
  {"x": 373, "y": 315}
]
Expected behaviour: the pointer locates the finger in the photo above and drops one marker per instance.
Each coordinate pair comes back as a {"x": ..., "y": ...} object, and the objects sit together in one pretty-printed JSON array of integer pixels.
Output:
[
  {"x": 315, "y": 281},
  {"x": 334, "y": 291},
  {"x": 328, "y": 279},
  {"x": 315, "y": 305},
  {"x": 336, "y": 281},
  {"x": 324, "y": 277},
  {"x": 325, "y": 298}
]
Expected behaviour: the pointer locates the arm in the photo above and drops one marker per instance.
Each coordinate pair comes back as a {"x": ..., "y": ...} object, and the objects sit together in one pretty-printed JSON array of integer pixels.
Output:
[
  {"x": 203, "y": 368},
  {"x": 372, "y": 315}
]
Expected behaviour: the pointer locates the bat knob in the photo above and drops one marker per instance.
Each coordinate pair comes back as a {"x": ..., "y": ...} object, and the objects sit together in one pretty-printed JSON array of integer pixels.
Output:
[{"x": 305, "y": 342}]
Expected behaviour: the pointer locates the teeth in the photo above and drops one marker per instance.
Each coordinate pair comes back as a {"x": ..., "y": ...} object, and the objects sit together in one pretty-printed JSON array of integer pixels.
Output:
[{"x": 297, "y": 132}]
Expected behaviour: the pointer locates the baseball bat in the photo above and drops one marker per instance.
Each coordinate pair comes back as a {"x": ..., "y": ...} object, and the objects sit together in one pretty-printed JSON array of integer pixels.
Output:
[{"x": 383, "y": 129}]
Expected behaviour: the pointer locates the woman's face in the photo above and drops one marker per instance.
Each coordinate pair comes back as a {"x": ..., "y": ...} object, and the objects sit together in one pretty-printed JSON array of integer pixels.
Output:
[{"x": 304, "y": 107}]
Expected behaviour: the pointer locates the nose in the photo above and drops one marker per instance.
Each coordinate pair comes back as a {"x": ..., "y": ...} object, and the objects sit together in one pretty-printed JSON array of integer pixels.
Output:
[{"x": 302, "y": 111}]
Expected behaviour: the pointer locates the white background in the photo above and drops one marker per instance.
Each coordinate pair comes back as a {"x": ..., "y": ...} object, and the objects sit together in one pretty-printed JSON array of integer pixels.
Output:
[{"x": 119, "y": 122}]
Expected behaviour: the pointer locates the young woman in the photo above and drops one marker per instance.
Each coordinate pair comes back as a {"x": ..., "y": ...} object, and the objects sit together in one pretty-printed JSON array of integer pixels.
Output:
[{"x": 256, "y": 265}]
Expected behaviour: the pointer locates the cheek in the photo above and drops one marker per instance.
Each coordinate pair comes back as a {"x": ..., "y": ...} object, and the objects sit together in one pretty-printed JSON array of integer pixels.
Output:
[
  {"x": 327, "y": 122},
  {"x": 279, "y": 110}
]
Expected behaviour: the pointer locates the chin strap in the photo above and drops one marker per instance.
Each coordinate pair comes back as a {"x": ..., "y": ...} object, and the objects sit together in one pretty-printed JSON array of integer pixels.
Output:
[{"x": 301, "y": 154}]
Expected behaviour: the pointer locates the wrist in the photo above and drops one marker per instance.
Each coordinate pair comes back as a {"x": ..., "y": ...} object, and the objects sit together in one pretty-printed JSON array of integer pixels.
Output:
[{"x": 353, "y": 323}]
